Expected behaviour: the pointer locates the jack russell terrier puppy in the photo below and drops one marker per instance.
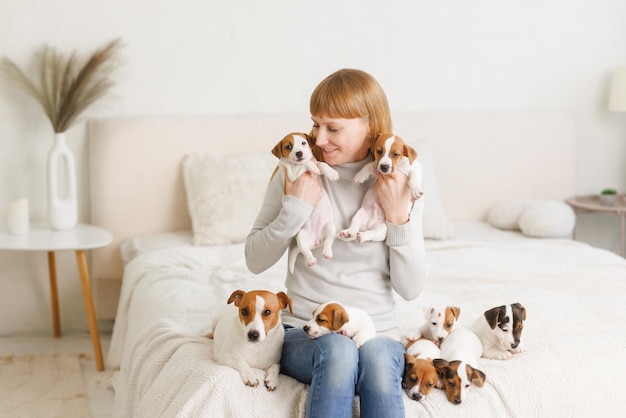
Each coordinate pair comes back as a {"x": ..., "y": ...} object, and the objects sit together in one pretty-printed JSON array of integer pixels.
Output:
[
  {"x": 439, "y": 323},
  {"x": 420, "y": 374},
  {"x": 352, "y": 322},
  {"x": 500, "y": 331},
  {"x": 460, "y": 352},
  {"x": 252, "y": 335},
  {"x": 295, "y": 154},
  {"x": 390, "y": 154}
]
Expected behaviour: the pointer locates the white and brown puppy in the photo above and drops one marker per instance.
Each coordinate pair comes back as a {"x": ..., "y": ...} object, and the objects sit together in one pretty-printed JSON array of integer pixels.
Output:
[
  {"x": 440, "y": 321},
  {"x": 252, "y": 335},
  {"x": 295, "y": 154},
  {"x": 352, "y": 322},
  {"x": 460, "y": 352},
  {"x": 420, "y": 374},
  {"x": 500, "y": 331},
  {"x": 390, "y": 154}
]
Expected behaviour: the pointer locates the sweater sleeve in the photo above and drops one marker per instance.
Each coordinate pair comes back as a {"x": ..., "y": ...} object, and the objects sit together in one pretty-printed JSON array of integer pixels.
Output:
[
  {"x": 408, "y": 268},
  {"x": 278, "y": 221}
]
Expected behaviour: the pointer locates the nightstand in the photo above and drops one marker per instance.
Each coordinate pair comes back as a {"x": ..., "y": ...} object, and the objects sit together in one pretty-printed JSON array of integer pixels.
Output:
[
  {"x": 79, "y": 239},
  {"x": 591, "y": 203}
]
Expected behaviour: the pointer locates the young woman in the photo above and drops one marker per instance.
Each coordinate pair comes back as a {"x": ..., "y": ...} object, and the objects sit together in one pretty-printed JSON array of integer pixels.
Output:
[{"x": 348, "y": 109}]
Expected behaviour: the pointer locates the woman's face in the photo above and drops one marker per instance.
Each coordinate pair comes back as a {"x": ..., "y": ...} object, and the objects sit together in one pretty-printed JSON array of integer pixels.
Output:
[{"x": 341, "y": 140}]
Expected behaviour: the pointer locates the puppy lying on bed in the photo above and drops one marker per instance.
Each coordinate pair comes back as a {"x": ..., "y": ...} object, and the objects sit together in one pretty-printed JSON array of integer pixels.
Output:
[
  {"x": 295, "y": 154},
  {"x": 251, "y": 336}
]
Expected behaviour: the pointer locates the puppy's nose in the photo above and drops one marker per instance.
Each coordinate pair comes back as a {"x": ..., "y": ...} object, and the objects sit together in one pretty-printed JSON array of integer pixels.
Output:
[
  {"x": 457, "y": 401},
  {"x": 299, "y": 154},
  {"x": 305, "y": 328},
  {"x": 515, "y": 344},
  {"x": 417, "y": 396},
  {"x": 384, "y": 168},
  {"x": 253, "y": 335}
]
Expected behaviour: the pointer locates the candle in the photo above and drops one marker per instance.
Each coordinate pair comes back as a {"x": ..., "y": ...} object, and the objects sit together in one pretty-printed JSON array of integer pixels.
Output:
[{"x": 17, "y": 217}]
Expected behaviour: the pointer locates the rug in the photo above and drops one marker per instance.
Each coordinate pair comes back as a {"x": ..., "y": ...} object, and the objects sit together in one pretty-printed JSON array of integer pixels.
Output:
[{"x": 43, "y": 385}]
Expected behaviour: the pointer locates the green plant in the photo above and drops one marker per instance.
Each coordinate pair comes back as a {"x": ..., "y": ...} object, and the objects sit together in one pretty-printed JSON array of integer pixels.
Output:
[
  {"x": 66, "y": 87},
  {"x": 609, "y": 191}
]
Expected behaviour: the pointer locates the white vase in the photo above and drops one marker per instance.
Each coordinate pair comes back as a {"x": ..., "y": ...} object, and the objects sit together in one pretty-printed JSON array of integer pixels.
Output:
[{"x": 61, "y": 182}]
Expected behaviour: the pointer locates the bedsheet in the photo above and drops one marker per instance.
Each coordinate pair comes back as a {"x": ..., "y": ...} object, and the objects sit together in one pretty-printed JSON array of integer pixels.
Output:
[{"x": 575, "y": 344}]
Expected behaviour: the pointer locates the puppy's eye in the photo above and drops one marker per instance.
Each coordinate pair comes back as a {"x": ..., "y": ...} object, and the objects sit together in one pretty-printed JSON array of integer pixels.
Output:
[
  {"x": 395, "y": 154},
  {"x": 434, "y": 324},
  {"x": 379, "y": 151},
  {"x": 466, "y": 386},
  {"x": 451, "y": 383},
  {"x": 245, "y": 312},
  {"x": 267, "y": 312},
  {"x": 320, "y": 320},
  {"x": 429, "y": 384},
  {"x": 413, "y": 379},
  {"x": 305, "y": 143},
  {"x": 289, "y": 147}
]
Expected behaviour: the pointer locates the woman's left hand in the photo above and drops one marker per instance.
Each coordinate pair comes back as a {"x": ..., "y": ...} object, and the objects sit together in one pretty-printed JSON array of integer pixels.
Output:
[{"x": 394, "y": 196}]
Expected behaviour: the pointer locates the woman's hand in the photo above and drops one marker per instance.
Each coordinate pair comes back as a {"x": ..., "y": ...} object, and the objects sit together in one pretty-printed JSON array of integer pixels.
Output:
[
  {"x": 307, "y": 187},
  {"x": 394, "y": 196}
]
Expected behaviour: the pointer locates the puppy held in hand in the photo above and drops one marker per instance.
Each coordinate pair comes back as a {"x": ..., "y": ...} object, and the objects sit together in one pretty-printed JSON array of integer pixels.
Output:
[
  {"x": 457, "y": 368},
  {"x": 500, "y": 331},
  {"x": 352, "y": 322},
  {"x": 440, "y": 321},
  {"x": 252, "y": 335},
  {"x": 420, "y": 374},
  {"x": 295, "y": 155},
  {"x": 390, "y": 154}
]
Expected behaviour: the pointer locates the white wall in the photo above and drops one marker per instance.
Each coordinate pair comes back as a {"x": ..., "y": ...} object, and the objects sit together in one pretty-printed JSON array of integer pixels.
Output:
[{"x": 208, "y": 56}]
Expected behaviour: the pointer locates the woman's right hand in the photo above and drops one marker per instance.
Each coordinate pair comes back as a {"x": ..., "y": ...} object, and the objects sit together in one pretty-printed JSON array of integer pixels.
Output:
[{"x": 307, "y": 187}]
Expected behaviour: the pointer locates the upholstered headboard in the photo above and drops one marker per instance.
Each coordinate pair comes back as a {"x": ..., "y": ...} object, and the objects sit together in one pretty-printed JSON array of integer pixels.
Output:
[{"x": 479, "y": 159}]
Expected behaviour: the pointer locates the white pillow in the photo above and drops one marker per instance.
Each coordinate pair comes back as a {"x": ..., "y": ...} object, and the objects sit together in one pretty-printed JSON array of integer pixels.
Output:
[
  {"x": 224, "y": 194},
  {"x": 436, "y": 223},
  {"x": 544, "y": 218},
  {"x": 550, "y": 219},
  {"x": 506, "y": 214}
]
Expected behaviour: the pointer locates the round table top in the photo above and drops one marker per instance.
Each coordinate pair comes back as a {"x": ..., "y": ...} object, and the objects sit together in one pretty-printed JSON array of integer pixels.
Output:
[
  {"x": 42, "y": 238},
  {"x": 592, "y": 203}
]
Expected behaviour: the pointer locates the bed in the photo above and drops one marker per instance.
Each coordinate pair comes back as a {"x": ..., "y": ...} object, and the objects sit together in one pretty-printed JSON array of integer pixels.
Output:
[{"x": 497, "y": 232}]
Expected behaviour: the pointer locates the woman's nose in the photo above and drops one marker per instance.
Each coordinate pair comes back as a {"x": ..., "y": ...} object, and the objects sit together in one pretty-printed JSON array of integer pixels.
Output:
[{"x": 320, "y": 139}]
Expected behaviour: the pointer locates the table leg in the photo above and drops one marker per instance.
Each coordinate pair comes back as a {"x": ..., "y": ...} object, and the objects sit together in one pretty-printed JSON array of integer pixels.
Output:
[
  {"x": 54, "y": 296},
  {"x": 623, "y": 234},
  {"x": 91, "y": 311}
]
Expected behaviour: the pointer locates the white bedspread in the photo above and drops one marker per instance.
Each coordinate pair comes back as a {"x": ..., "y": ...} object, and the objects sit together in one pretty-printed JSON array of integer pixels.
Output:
[{"x": 576, "y": 347}]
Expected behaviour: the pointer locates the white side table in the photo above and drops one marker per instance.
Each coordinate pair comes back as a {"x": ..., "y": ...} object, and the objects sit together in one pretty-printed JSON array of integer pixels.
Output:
[
  {"x": 591, "y": 204},
  {"x": 82, "y": 237}
]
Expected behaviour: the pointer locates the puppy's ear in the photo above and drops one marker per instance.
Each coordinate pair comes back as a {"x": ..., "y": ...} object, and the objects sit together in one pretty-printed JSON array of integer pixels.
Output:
[
  {"x": 340, "y": 317},
  {"x": 277, "y": 150},
  {"x": 427, "y": 310},
  {"x": 456, "y": 311},
  {"x": 441, "y": 364},
  {"x": 409, "y": 360},
  {"x": 492, "y": 315},
  {"x": 477, "y": 376},
  {"x": 410, "y": 153},
  {"x": 284, "y": 300},
  {"x": 236, "y": 297},
  {"x": 521, "y": 308}
]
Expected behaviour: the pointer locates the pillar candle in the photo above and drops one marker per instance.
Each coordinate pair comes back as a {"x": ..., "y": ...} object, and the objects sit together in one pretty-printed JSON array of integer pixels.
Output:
[{"x": 17, "y": 217}]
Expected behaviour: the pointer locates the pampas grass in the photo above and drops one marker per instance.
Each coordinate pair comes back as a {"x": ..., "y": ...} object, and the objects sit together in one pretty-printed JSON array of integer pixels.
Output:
[{"x": 66, "y": 86}]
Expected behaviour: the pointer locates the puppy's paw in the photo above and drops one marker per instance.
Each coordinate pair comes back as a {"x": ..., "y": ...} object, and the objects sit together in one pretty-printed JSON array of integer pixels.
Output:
[
  {"x": 249, "y": 377},
  {"x": 518, "y": 350},
  {"x": 415, "y": 336},
  {"x": 329, "y": 172},
  {"x": 327, "y": 254},
  {"x": 347, "y": 235},
  {"x": 311, "y": 261},
  {"x": 361, "y": 177},
  {"x": 271, "y": 377}
]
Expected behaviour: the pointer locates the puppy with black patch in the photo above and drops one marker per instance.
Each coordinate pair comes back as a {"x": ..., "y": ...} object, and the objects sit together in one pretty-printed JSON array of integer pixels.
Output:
[
  {"x": 420, "y": 374},
  {"x": 500, "y": 331}
]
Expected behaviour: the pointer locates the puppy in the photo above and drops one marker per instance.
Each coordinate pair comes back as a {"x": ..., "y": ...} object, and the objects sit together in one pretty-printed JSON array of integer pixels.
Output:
[
  {"x": 420, "y": 374},
  {"x": 295, "y": 154},
  {"x": 440, "y": 321},
  {"x": 500, "y": 331},
  {"x": 460, "y": 352},
  {"x": 390, "y": 153},
  {"x": 252, "y": 335},
  {"x": 352, "y": 322}
]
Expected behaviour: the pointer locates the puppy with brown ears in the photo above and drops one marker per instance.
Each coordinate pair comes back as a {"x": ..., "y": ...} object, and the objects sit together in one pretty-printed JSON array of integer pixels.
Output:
[
  {"x": 296, "y": 156},
  {"x": 440, "y": 321},
  {"x": 457, "y": 368},
  {"x": 420, "y": 373},
  {"x": 352, "y": 322},
  {"x": 391, "y": 153},
  {"x": 252, "y": 335}
]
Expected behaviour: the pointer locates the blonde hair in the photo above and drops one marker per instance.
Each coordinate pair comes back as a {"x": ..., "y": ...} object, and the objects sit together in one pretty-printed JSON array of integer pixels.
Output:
[{"x": 350, "y": 94}]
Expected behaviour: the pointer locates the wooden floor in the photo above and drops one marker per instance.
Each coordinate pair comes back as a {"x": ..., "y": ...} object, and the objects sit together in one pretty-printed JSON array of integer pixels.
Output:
[{"x": 100, "y": 398}]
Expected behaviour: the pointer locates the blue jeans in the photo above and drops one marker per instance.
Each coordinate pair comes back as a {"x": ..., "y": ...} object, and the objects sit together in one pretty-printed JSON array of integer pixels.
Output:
[{"x": 337, "y": 370}]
